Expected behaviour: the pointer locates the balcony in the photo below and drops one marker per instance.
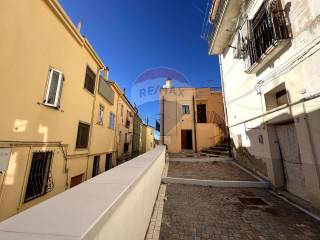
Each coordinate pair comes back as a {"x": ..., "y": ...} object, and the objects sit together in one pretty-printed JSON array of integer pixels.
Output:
[
  {"x": 224, "y": 15},
  {"x": 117, "y": 204},
  {"x": 270, "y": 36}
]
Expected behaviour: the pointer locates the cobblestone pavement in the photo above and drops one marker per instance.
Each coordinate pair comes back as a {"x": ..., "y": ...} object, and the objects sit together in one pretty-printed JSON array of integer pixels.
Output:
[
  {"x": 208, "y": 171},
  {"x": 195, "y": 212}
]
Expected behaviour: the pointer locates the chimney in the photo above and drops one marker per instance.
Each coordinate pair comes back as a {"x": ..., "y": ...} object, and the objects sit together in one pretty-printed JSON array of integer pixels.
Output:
[
  {"x": 106, "y": 73},
  {"x": 79, "y": 26},
  {"x": 168, "y": 83}
]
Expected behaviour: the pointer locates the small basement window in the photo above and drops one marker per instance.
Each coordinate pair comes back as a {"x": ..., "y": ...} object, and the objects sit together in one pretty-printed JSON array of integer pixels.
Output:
[
  {"x": 54, "y": 88},
  {"x": 39, "y": 175},
  {"x": 83, "y": 135},
  {"x": 90, "y": 80}
]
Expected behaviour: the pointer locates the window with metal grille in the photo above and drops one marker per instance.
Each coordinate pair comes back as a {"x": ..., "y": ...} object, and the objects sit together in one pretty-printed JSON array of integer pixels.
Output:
[
  {"x": 100, "y": 115},
  {"x": 54, "y": 88},
  {"x": 38, "y": 182},
  {"x": 90, "y": 80},
  {"x": 185, "y": 109},
  {"x": 83, "y": 135}
]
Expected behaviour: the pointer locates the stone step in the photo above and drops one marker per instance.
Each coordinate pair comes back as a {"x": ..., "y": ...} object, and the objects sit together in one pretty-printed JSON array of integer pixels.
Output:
[
  {"x": 217, "y": 152},
  {"x": 221, "y": 148}
]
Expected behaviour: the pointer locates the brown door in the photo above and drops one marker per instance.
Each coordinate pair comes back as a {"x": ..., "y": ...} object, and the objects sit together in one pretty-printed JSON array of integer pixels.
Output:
[
  {"x": 201, "y": 113},
  {"x": 76, "y": 180},
  {"x": 186, "y": 139}
]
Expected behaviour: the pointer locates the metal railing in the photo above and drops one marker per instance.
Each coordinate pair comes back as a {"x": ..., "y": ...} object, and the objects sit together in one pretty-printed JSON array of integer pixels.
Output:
[
  {"x": 264, "y": 34},
  {"x": 217, "y": 19}
]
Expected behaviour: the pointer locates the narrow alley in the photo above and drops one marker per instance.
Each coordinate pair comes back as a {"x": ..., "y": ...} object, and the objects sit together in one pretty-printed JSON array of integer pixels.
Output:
[{"x": 221, "y": 204}]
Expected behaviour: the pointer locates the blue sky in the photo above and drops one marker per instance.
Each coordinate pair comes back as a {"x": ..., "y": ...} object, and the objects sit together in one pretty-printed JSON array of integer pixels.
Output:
[{"x": 132, "y": 36}]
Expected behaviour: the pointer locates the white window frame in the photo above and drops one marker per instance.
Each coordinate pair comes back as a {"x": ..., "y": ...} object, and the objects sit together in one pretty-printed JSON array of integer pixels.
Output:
[
  {"x": 112, "y": 118},
  {"x": 57, "y": 99},
  {"x": 101, "y": 114},
  {"x": 182, "y": 109}
]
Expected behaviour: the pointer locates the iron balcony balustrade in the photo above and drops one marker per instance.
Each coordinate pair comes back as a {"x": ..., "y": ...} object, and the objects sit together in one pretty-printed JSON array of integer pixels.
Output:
[
  {"x": 269, "y": 36},
  {"x": 223, "y": 17}
]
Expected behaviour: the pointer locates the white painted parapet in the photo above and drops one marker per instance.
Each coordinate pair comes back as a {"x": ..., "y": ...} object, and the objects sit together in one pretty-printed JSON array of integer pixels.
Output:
[{"x": 115, "y": 205}]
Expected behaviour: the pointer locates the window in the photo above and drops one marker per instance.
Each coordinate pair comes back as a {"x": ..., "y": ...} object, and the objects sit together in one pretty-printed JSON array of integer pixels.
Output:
[
  {"x": 276, "y": 97},
  {"x": 126, "y": 137},
  {"x": 83, "y": 135},
  {"x": 201, "y": 113},
  {"x": 185, "y": 109},
  {"x": 96, "y": 166},
  {"x": 90, "y": 80},
  {"x": 101, "y": 113},
  {"x": 111, "y": 120},
  {"x": 267, "y": 30},
  {"x": 54, "y": 88},
  {"x": 281, "y": 97},
  {"x": 38, "y": 182}
]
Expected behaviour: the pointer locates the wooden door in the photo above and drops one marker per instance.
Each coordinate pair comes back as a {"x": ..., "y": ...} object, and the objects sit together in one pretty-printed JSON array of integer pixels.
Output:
[
  {"x": 290, "y": 153},
  {"x": 76, "y": 180},
  {"x": 186, "y": 139}
]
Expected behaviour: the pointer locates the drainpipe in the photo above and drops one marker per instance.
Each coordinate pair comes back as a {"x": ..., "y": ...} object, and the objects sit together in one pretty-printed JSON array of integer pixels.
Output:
[
  {"x": 225, "y": 106},
  {"x": 162, "y": 137},
  {"x": 194, "y": 125},
  {"x": 105, "y": 69}
]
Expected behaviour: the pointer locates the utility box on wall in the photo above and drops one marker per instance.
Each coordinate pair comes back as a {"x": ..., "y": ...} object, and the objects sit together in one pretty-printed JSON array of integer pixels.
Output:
[{"x": 4, "y": 158}]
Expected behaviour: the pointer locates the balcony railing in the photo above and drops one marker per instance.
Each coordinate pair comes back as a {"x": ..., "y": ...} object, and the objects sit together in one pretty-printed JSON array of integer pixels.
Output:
[
  {"x": 100, "y": 208},
  {"x": 223, "y": 17},
  {"x": 216, "y": 16},
  {"x": 266, "y": 34}
]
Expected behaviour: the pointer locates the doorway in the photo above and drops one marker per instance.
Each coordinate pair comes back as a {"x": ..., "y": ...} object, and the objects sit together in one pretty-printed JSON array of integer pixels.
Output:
[
  {"x": 96, "y": 163},
  {"x": 186, "y": 139},
  {"x": 291, "y": 159},
  {"x": 108, "y": 165}
]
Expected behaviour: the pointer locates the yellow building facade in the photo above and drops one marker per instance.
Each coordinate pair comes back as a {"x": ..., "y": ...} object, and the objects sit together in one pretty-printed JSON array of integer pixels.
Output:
[
  {"x": 147, "y": 138},
  {"x": 59, "y": 111},
  {"x": 192, "y": 119},
  {"x": 124, "y": 128}
]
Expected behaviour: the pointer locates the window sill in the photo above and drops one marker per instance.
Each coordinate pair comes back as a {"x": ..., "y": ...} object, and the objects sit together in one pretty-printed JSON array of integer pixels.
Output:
[{"x": 268, "y": 56}]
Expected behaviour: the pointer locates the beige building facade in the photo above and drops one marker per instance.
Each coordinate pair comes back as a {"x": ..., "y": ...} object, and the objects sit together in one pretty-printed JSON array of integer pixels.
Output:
[
  {"x": 270, "y": 75},
  {"x": 124, "y": 128},
  {"x": 192, "y": 119},
  {"x": 59, "y": 110},
  {"x": 147, "y": 138}
]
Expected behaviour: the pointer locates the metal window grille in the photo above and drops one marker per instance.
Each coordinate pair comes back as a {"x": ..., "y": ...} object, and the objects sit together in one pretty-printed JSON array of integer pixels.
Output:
[
  {"x": 90, "y": 80},
  {"x": 267, "y": 27},
  {"x": 83, "y": 135},
  {"x": 40, "y": 179}
]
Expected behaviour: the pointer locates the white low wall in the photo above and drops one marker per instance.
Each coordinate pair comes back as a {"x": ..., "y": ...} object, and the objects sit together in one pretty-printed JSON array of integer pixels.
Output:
[{"x": 114, "y": 205}]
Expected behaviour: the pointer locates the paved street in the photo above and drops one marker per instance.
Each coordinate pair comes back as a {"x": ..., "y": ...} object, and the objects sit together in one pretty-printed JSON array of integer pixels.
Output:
[
  {"x": 197, "y": 212},
  {"x": 208, "y": 171}
]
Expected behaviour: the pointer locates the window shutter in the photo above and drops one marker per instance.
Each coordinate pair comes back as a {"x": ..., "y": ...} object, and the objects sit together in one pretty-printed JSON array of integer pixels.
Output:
[{"x": 54, "y": 88}]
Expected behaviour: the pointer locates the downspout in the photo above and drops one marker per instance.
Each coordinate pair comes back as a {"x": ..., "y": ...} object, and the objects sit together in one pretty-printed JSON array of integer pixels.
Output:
[
  {"x": 225, "y": 106},
  {"x": 162, "y": 137},
  {"x": 194, "y": 125},
  {"x": 92, "y": 114},
  {"x": 116, "y": 129}
]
